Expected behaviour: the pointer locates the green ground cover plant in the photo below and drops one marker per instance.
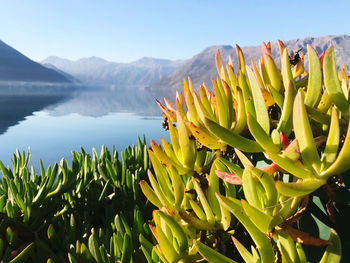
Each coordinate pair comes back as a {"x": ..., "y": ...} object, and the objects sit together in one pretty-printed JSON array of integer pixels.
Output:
[{"x": 93, "y": 211}]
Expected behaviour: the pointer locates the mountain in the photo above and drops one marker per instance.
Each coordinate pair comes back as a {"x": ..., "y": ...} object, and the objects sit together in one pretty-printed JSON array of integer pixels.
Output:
[
  {"x": 14, "y": 66},
  {"x": 96, "y": 70},
  {"x": 201, "y": 68},
  {"x": 65, "y": 74}
]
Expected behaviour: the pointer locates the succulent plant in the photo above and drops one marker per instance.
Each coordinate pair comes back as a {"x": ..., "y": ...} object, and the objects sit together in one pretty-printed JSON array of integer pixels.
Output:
[
  {"x": 247, "y": 157},
  {"x": 91, "y": 212}
]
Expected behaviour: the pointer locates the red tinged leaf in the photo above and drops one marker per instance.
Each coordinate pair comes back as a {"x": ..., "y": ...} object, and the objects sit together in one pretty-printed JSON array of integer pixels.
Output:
[
  {"x": 170, "y": 210},
  {"x": 330, "y": 206},
  {"x": 284, "y": 141},
  {"x": 268, "y": 45},
  {"x": 229, "y": 177},
  {"x": 281, "y": 46},
  {"x": 153, "y": 230},
  {"x": 265, "y": 50},
  {"x": 322, "y": 57},
  {"x": 168, "y": 104},
  {"x": 304, "y": 238},
  {"x": 299, "y": 213},
  {"x": 171, "y": 114},
  {"x": 271, "y": 169}
]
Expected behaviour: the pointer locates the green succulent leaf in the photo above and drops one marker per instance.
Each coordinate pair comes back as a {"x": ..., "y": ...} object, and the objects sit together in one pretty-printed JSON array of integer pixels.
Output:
[
  {"x": 241, "y": 118},
  {"x": 204, "y": 202},
  {"x": 286, "y": 71},
  {"x": 301, "y": 253},
  {"x": 262, "y": 242},
  {"x": 285, "y": 122},
  {"x": 334, "y": 251},
  {"x": 287, "y": 246},
  {"x": 261, "y": 136},
  {"x": 245, "y": 254},
  {"x": 211, "y": 255},
  {"x": 187, "y": 146},
  {"x": 177, "y": 231},
  {"x": 314, "y": 87},
  {"x": 261, "y": 220},
  {"x": 299, "y": 188},
  {"x": 290, "y": 166},
  {"x": 330, "y": 152},
  {"x": 303, "y": 134},
  {"x": 206, "y": 138},
  {"x": 252, "y": 189},
  {"x": 331, "y": 81},
  {"x": 342, "y": 163},
  {"x": 232, "y": 139},
  {"x": 262, "y": 115}
]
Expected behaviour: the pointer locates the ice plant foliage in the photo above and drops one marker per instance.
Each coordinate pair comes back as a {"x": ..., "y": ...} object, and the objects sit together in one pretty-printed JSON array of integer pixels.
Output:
[
  {"x": 207, "y": 184},
  {"x": 91, "y": 212}
]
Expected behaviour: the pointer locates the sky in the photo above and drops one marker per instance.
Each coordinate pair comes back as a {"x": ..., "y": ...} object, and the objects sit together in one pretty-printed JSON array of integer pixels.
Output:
[{"x": 128, "y": 30}]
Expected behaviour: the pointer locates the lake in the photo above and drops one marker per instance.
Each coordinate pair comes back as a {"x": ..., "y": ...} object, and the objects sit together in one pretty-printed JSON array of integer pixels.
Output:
[{"x": 53, "y": 123}]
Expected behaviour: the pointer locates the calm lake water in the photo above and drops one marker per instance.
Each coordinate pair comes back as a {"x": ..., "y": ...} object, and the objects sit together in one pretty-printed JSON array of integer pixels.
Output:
[{"x": 53, "y": 124}]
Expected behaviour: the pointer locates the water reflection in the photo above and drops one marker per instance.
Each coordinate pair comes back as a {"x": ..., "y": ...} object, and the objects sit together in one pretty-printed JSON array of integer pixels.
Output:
[
  {"x": 99, "y": 101},
  {"x": 53, "y": 124},
  {"x": 15, "y": 107},
  {"x": 17, "y": 104}
]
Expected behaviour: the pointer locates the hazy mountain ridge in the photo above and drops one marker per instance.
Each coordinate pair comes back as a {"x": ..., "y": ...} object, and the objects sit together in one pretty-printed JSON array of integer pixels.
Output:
[
  {"x": 65, "y": 74},
  {"x": 96, "y": 70},
  {"x": 14, "y": 66},
  {"x": 153, "y": 72},
  {"x": 201, "y": 68}
]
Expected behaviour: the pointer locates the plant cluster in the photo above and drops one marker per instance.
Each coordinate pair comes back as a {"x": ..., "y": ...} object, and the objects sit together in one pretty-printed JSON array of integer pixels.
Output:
[
  {"x": 246, "y": 158},
  {"x": 91, "y": 212}
]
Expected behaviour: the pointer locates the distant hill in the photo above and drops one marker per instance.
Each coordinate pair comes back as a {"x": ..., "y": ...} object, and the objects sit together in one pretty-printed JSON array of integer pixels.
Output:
[
  {"x": 201, "y": 68},
  {"x": 14, "y": 66},
  {"x": 96, "y": 70},
  {"x": 65, "y": 74}
]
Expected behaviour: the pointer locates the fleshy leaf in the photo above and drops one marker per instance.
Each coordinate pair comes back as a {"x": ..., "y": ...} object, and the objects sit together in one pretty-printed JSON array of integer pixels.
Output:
[
  {"x": 303, "y": 134},
  {"x": 150, "y": 194},
  {"x": 286, "y": 71},
  {"x": 271, "y": 68},
  {"x": 212, "y": 255},
  {"x": 314, "y": 87},
  {"x": 229, "y": 177},
  {"x": 232, "y": 139},
  {"x": 299, "y": 188},
  {"x": 285, "y": 122},
  {"x": 334, "y": 251},
  {"x": 187, "y": 146},
  {"x": 330, "y": 152},
  {"x": 261, "y": 136},
  {"x": 331, "y": 81},
  {"x": 245, "y": 254},
  {"x": 262, "y": 115},
  {"x": 305, "y": 238},
  {"x": 207, "y": 139},
  {"x": 260, "y": 219},
  {"x": 262, "y": 242},
  {"x": 342, "y": 163},
  {"x": 290, "y": 166}
]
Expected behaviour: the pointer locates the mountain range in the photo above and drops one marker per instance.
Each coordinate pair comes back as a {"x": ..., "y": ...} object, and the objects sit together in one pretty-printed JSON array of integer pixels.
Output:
[
  {"x": 94, "y": 70},
  {"x": 148, "y": 72},
  {"x": 201, "y": 68},
  {"x": 167, "y": 74},
  {"x": 14, "y": 66}
]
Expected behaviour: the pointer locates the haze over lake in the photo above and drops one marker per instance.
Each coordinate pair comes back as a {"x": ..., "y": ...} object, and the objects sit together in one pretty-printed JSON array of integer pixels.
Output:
[{"x": 54, "y": 123}]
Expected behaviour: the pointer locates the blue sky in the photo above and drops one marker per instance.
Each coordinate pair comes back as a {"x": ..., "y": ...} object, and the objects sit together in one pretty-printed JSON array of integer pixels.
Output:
[{"x": 128, "y": 30}]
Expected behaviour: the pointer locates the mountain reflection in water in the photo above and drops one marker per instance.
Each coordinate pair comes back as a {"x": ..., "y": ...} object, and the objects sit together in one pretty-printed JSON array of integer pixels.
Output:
[{"x": 54, "y": 124}]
